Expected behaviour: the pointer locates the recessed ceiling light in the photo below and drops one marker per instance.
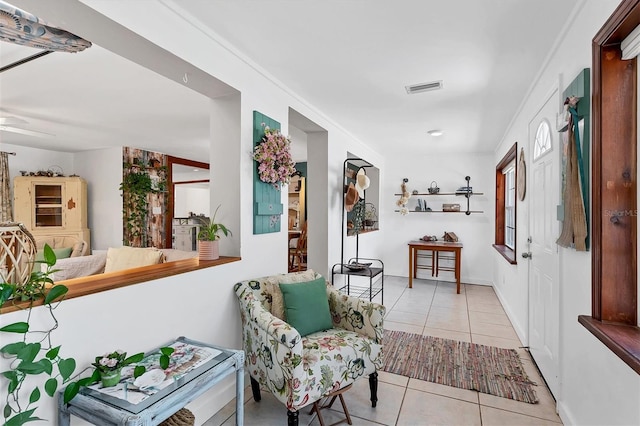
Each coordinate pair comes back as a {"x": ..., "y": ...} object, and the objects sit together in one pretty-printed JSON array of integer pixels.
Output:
[
  {"x": 196, "y": 170},
  {"x": 435, "y": 132}
]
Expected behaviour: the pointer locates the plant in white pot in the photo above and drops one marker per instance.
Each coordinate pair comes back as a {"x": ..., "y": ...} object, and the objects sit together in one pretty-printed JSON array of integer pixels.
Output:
[{"x": 208, "y": 247}]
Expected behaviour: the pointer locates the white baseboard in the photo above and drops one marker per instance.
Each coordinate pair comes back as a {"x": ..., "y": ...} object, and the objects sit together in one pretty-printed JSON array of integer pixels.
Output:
[
  {"x": 522, "y": 334},
  {"x": 565, "y": 414}
]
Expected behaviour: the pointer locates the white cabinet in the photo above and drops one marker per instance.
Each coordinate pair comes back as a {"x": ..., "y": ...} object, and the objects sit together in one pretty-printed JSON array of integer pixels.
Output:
[{"x": 185, "y": 234}]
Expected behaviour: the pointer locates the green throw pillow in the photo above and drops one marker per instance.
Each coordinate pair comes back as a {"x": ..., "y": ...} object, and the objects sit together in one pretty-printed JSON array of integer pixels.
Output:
[
  {"x": 61, "y": 253},
  {"x": 306, "y": 306}
]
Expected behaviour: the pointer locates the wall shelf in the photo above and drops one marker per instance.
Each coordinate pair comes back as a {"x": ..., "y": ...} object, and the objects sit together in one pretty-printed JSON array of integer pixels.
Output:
[
  {"x": 464, "y": 191},
  {"x": 445, "y": 193},
  {"x": 440, "y": 211}
]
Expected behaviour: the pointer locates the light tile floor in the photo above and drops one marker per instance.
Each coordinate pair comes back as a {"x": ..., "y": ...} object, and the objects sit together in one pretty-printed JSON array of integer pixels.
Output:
[{"x": 430, "y": 308}]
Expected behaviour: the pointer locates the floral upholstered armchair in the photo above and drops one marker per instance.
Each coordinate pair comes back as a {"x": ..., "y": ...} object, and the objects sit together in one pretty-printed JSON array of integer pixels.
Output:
[{"x": 300, "y": 370}]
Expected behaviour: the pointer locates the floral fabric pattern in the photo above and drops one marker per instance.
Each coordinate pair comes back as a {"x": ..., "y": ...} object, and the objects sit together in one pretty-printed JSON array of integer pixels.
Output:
[{"x": 300, "y": 371}]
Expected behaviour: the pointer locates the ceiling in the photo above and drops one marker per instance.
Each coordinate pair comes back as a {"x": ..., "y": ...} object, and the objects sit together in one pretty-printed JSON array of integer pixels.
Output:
[
  {"x": 96, "y": 99},
  {"x": 351, "y": 59}
]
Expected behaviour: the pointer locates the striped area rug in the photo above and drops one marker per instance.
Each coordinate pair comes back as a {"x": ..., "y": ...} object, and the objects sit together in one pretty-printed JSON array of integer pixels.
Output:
[{"x": 486, "y": 369}]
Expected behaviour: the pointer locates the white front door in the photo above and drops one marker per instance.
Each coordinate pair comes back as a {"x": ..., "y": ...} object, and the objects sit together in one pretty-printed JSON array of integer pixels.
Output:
[{"x": 543, "y": 193}]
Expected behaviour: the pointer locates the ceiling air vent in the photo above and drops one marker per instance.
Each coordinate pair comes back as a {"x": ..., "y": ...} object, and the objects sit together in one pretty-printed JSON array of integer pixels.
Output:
[{"x": 424, "y": 87}]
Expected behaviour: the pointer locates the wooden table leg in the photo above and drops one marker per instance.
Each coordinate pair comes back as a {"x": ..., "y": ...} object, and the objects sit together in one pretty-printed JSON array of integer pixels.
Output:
[
  {"x": 458, "y": 254},
  {"x": 411, "y": 267}
]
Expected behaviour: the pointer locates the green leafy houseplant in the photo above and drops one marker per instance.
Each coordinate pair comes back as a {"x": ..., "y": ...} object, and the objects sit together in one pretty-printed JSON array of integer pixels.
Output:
[
  {"x": 114, "y": 361},
  {"x": 137, "y": 184},
  {"x": 210, "y": 230},
  {"x": 33, "y": 354}
]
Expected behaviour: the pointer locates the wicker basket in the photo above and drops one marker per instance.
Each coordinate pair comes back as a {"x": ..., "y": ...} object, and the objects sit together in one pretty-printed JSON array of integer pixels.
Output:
[
  {"x": 17, "y": 251},
  {"x": 182, "y": 417}
]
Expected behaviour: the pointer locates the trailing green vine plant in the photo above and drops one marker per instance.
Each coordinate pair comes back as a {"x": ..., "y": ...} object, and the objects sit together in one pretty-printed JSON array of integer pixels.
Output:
[
  {"x": 358, "y": 215},
  {"x": 137, "y": 184},
  {"x": 33, "y": 354}
]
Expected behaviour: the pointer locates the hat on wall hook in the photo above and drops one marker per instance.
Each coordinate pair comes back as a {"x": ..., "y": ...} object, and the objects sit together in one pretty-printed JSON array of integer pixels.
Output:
[{"x": 362, "y": 182}]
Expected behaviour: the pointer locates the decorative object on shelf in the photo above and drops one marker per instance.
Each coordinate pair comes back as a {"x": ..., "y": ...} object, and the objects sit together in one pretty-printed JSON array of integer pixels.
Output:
[
  {"x": 450, "y": 237},
  {"x": 52, "y": 171},
  {"x": 414, "y": 192},
  {"x": 450, "y": 207},
  {"x": 433, "y": 188},
  {"x": 208, "y": 247},
  {"x": 362, "y": 182},
  {"x": 267, "y": 199},
  {"x": 522, "y": 176},
  {"x": 273, "y": 155},
  {"x": 355, "y": 266},
  {"x": 404, "y": 197},
  {"x": 429, "y": 238},
  {"x": 422, "y": 206},
  {"x": 370, "y": 215}
]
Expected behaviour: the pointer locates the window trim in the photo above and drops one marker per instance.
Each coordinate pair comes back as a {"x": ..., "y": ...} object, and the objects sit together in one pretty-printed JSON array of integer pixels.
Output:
[
  {"x": 614, "y": 281},
  {"x": 509, "y": 204},
  {"x": 499, "y": 243}
]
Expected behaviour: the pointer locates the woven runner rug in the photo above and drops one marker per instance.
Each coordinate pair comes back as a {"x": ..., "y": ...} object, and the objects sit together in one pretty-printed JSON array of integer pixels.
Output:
[{"x": 485, "y": 369}]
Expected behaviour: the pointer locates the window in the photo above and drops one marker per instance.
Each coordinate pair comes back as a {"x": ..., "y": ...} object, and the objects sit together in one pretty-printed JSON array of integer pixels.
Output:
[
  {"x": 542, "y": 144},
  {"x": 614, "y": 277},
  {"x": 510, "y": 206},
  {"x": 505, "y": 239}
]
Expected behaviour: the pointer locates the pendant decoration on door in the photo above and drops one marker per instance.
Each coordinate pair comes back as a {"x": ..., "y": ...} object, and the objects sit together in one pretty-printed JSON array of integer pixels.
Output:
[{"x": 522, "y": 176}]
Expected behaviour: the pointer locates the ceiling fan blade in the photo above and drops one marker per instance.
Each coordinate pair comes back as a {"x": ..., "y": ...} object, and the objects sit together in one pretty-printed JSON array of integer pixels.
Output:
[
  {"x": 26, "y": 132},
  {"x": 12, "y": 121}
]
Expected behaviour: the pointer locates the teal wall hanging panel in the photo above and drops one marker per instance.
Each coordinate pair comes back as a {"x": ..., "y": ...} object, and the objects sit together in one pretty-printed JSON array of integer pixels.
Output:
[
  {"x": 267, "y": 204},
  {"x": 581, "y": 88}
]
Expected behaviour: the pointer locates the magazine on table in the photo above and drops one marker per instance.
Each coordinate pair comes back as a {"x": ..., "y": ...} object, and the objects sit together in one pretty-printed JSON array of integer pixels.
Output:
[{"x": 186, "y": 357}]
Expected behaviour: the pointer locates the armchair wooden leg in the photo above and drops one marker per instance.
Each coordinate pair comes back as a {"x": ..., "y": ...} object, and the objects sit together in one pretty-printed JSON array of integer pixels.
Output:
[
  {"x": 373, "y": 386},
  {"x": 255, "y": 389},
  {"x": 292, "y": 418}
]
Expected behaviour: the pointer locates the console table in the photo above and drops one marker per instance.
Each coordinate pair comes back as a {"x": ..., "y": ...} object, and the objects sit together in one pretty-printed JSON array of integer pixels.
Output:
[
  {"x": 435, "y": 247},
  {"x": 125, "y": 405}
]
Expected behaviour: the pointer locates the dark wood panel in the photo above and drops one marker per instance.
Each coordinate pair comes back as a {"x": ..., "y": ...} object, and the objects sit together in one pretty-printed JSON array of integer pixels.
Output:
[
  {"x": 623, "y": 340},
  {"x": 618, "y": 187}
]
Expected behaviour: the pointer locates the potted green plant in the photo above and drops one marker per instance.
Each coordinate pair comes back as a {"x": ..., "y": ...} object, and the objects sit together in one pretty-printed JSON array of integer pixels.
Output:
[{"x": 208, "y": 236}]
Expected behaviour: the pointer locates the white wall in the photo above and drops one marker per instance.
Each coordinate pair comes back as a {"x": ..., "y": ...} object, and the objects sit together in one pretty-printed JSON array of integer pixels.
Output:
[
  {"x": 474, "y": 231},
  {"x": 140, "y": 317},
  {"x": 191, "y": 200},
  {"x": 298, "y": 144},
  {"x": 33, "y": 160},
  {"x": 102, "y": 169},
  {"x": 596, "y": 387}
]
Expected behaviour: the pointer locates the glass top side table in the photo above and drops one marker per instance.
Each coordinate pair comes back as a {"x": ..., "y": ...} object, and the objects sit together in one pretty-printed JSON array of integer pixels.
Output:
[{"x": 195, "y": 367}]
